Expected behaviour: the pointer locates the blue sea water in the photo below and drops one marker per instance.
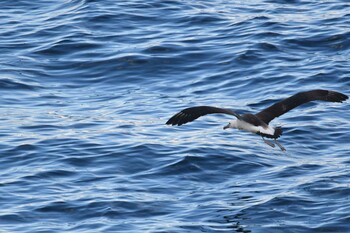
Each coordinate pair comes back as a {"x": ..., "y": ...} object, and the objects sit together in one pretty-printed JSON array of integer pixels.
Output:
[{"x": 87, "y": 86}]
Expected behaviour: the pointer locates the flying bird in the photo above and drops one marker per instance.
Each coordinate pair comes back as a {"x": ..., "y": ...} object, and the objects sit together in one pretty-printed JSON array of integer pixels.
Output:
[{"x": 259, "y": 123}]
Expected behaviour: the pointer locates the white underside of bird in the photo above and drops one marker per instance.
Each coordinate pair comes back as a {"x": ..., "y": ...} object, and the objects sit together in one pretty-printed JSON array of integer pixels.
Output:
[{"x": 243, "y": 125}]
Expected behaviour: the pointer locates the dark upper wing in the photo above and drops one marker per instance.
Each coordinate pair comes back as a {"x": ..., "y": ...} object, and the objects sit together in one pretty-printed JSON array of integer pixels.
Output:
[
  {"x": 190, "y": 114},
  {"x": 285, "y": 105}
]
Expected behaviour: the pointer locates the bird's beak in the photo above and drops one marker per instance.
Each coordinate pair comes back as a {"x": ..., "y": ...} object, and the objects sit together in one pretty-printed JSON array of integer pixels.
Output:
[{"x": 226, "y": 126}]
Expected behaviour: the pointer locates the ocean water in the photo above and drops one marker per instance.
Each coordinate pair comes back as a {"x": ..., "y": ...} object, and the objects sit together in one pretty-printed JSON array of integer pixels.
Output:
[{"x": 87, "y": 86}]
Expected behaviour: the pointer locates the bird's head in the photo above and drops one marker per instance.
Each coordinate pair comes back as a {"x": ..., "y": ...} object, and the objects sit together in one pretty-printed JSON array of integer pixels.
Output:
[{"x": 231, "y": 124}]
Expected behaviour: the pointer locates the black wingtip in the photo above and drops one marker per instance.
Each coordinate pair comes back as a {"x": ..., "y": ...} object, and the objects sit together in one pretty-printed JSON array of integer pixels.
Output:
[
  {"x": 174, "y": 120},
  {"x": 337, "y": 96},
  {"x": 169, "y": 122},
  {"x": 181, "y": 118}
]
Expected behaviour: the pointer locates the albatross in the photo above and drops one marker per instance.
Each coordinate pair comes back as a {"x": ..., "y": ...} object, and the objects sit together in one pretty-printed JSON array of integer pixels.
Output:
[{"x": 259, "y": 123}]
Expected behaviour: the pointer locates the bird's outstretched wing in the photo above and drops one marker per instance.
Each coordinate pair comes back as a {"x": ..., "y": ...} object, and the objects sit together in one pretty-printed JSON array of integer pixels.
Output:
[
  {"x": 190, "y": 114},
  {"x": 300, "y": 98}
]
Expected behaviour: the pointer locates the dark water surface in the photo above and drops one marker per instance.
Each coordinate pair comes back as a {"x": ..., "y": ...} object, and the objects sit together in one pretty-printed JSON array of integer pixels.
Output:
[{"x": 86, "y": 87}]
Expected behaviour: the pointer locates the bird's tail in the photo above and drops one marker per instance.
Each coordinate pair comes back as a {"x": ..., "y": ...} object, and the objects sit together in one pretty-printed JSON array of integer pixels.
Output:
[{"x": 277, "y": 134}]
